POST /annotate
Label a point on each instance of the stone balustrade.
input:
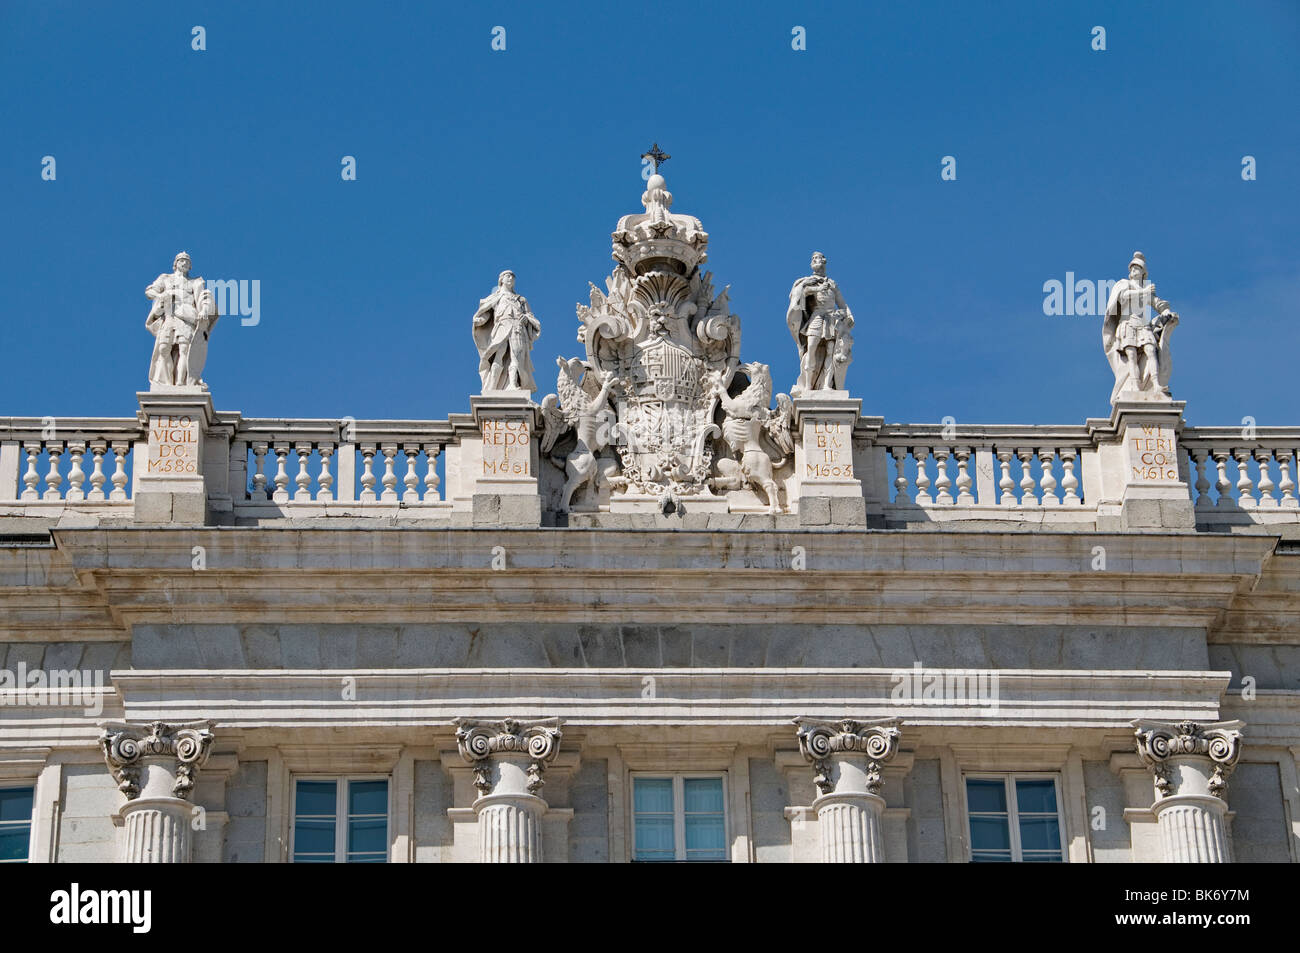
(287, 463)
(262, 469)
(49, 465)
(1235, 470)
(934, 467)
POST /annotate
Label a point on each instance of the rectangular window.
(1014, 818)
(340, 820)
(15, 824)
(679, 818)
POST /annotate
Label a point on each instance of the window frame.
(678, 779)
(341, 782)
(1008, 779)
(17, 785)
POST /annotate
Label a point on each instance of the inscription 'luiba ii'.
(1152, 455)
(828, 451)
(505, 447)
(173, 445)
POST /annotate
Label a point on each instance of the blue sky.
(470, 161)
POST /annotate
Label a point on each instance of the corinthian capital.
(1159, 743)
(127, 747)
(820, 741)
(479, 741)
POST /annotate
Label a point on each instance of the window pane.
(703, 795)
(13, 842)
(654, 838)
(705, 837)
(1039, 858)
(16, 804)
(990, 857)
(314, 837)
(989, 833)
(986, 796)
(1036, 797)
(368, 836)
(316, 798)
(368, 797)
(652, 795)
(1039, 833)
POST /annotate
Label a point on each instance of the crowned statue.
(821, 325)
(182, 317)
(504, 331)
(1135, 335)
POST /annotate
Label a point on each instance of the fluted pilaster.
(156, 766)
(509, 758)
(1190, 763)
(848, 757)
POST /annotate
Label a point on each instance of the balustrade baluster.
(1245, 485)
(259, 472)
(1198, 458)
(303, 479)
(97, 476)
(922, 477)
(412, 481)
(431, 479)
(901, 496)
(281, 494)
(1266, 498)
(1070, 482)
(325, 479)
(389, 480)
(1027, 495)
(76, 475)
(941, 481)
(1286, 485)
(1221, 484)
(118, 479)
(52, 476)
(1005, 482)
(31, 478)
(367, 473)
(1048, 482)
(964, 495)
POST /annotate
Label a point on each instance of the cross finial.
(656, 156)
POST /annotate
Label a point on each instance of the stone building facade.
(661, 614)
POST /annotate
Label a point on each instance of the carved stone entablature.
(479, 741)
(128, 747)
(1159, 743)
(819, 741)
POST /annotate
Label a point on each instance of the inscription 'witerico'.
(1153, 455)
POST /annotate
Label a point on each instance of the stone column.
(508, 758)
(848, 757)
(1191, 763)
(156, 766)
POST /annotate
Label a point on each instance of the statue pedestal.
(830, 492)
(170, 486)
(501, 465)
(1143, 473)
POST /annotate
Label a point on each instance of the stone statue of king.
(504, 331)
(821, 324)
(182, 317)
